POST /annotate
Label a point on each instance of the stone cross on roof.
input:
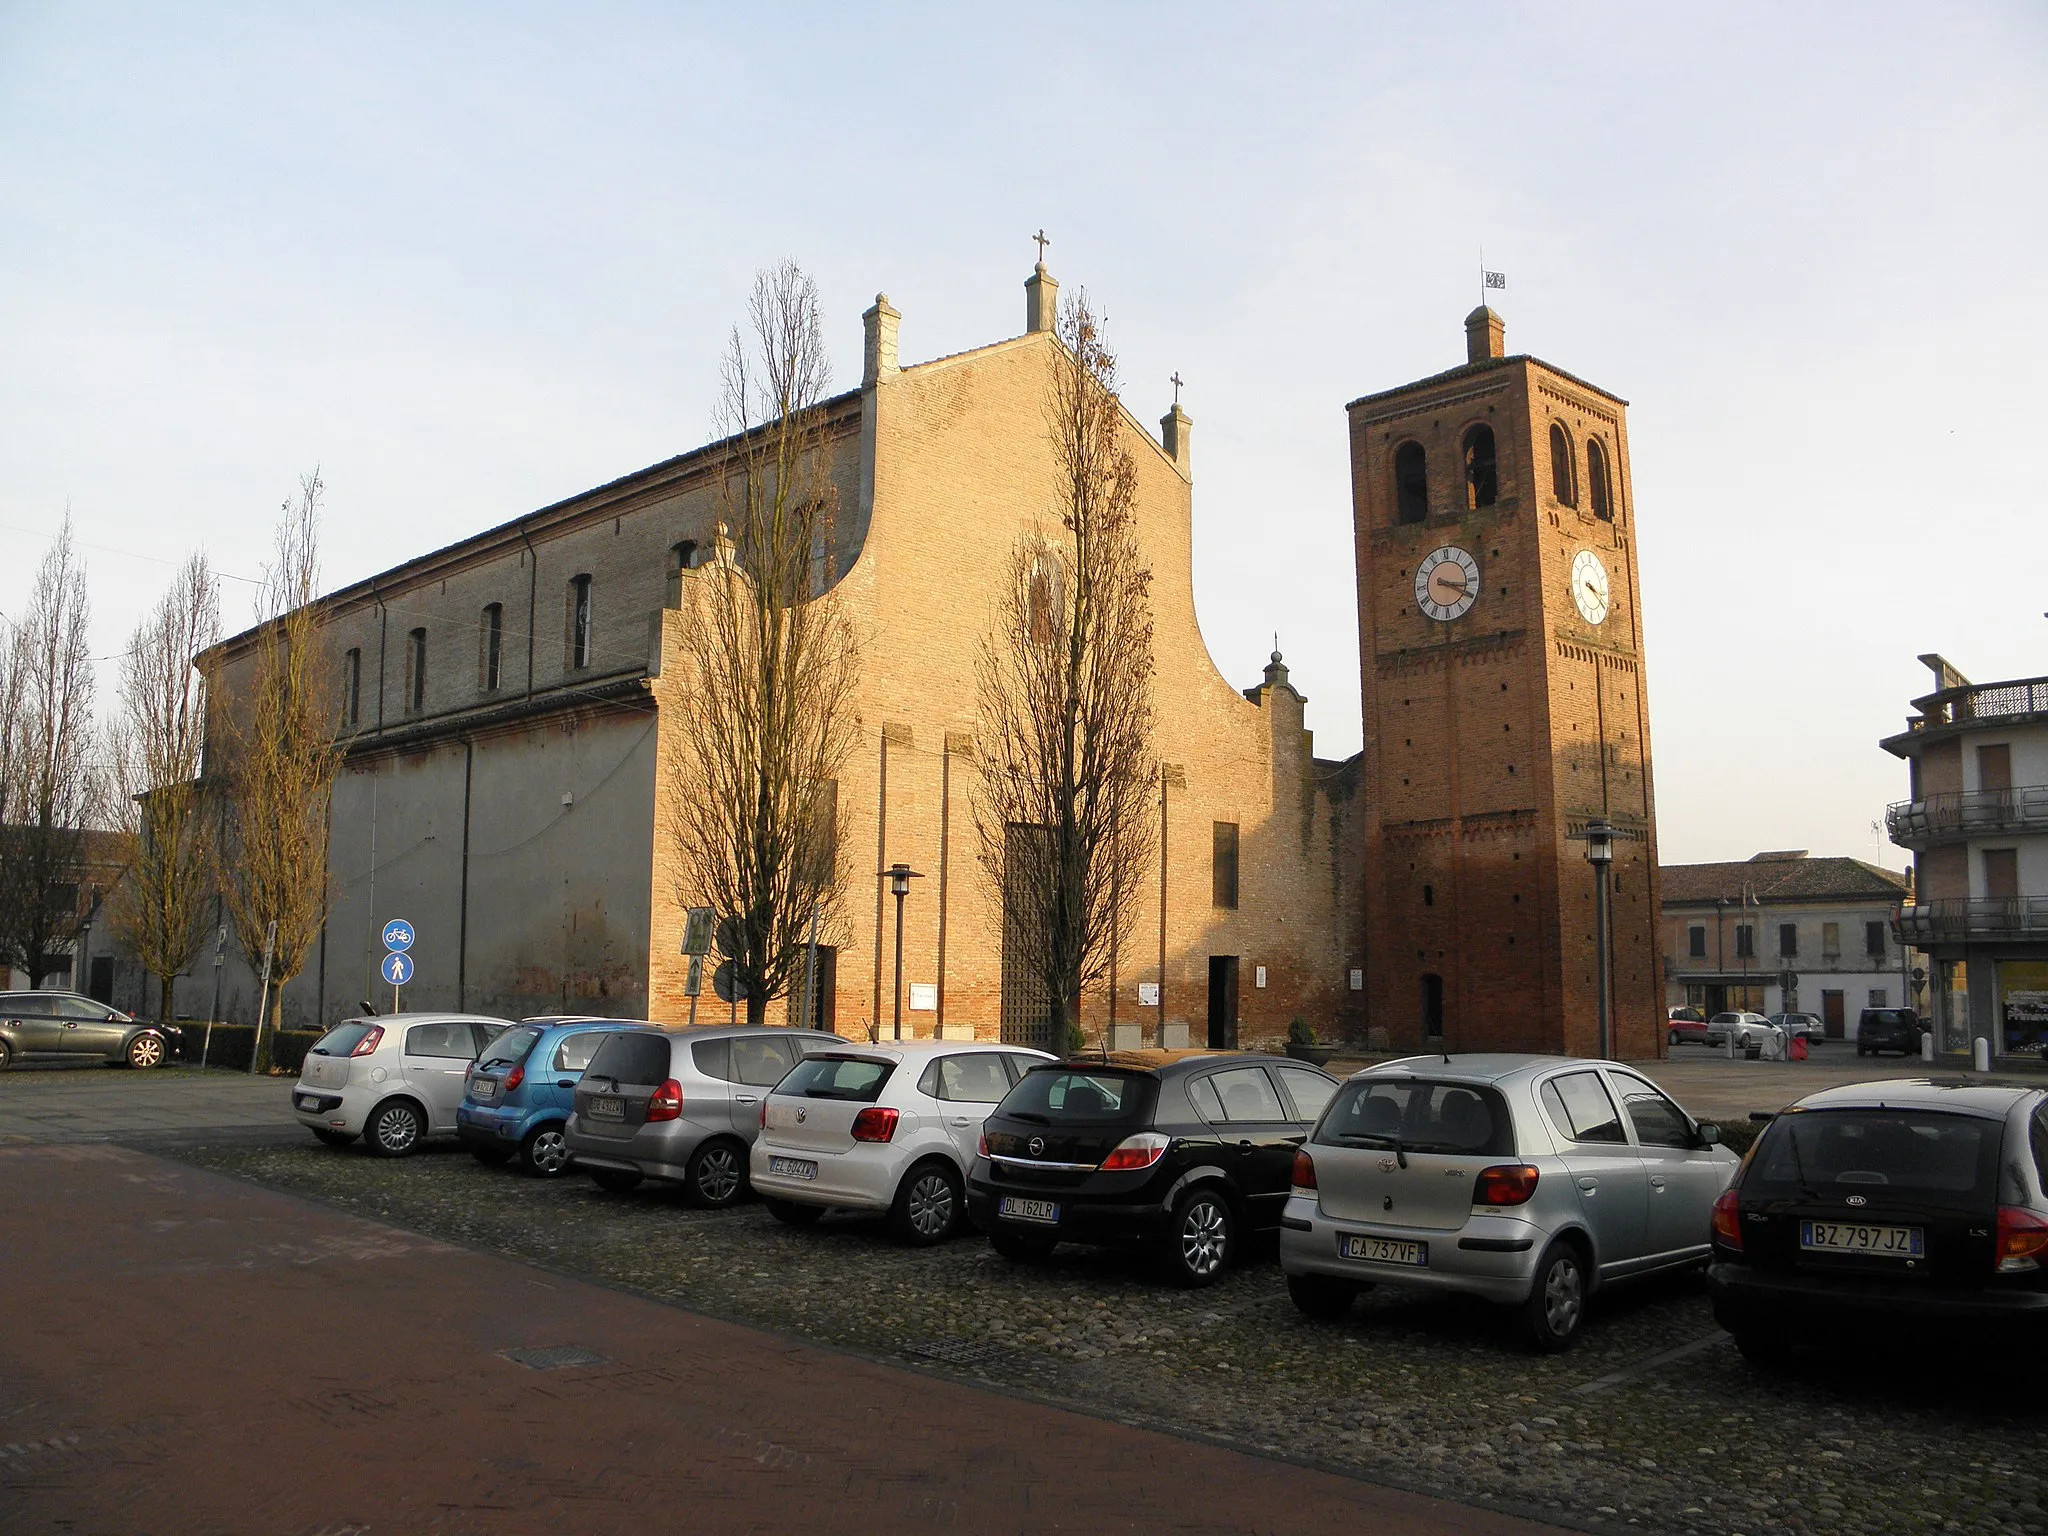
(1042, 244)
(1175, 381)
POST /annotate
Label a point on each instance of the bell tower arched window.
(1482, 482)
(1563, 483)
(1596, 480)
(1411, 484)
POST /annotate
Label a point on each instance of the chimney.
(1485, 335)
(878, 353)
(1041, 300)
(1174, 428)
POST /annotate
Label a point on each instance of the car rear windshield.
(856, 1079)
(341, 1039)
(511, 1046)
(1890, 1016)
(1420, 1115)
(1077, 1096)
(1910, 1153)
(632, 1060)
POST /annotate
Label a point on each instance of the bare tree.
(157, 743)
(772, 659)
(282, 757)
(1063, 799)
(49, 784)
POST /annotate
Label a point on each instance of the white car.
(393, 1081)
(1748, 1028)
(884, 1128)
(1801, 1026)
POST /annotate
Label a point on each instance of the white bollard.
(1980, 1054)
(1927, 1045)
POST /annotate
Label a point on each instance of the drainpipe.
(462, 921)
(532, 601)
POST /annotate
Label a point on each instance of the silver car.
(1526, 1180)
(393, 1080)
(682, 1106)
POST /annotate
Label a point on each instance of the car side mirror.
(1710, 1135)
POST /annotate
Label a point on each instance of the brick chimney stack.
(878, 352)
(1041, 300)
(1485, 335)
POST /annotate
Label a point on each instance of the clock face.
(1447, 584)
(1589, 586)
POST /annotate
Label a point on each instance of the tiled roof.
(1779, 879)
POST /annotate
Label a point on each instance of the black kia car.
(1920, 1203)
(1179, 1156)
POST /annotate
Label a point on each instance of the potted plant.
(1302, 1046)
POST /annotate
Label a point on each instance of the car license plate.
(1047, 1211)
(307, 1102)
(1848, 1237)
(1384, 1250)
(607, 1109)
(483, 1089)
(793, 1167)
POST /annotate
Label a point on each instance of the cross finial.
(1042, 244)
(1176, 386)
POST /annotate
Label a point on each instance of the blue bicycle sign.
(398, 935)
(398, 968)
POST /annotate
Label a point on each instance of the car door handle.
(1656, 1181)
(963, 1119)
(1244, 1146)
(746, 1098)
(565, 1082)
(1589, 1185)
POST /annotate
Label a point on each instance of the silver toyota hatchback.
(682, 1106)
(1526, 1180)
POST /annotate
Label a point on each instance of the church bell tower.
(1500, 642)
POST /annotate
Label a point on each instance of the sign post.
(262, 996)
(397, 965)
(696, 944)
(220, 950)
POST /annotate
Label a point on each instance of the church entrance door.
(1223, 1002)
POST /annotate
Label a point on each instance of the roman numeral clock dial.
(1589, 587)
(1447, 583)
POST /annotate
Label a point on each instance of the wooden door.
(2002, 874)
(1832, 1014)
(1994, 768)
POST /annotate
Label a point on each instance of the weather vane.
(1042, 244)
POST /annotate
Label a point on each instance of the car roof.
(1480, 1067)
(425, 1018)
(741, 1031)
(918, 1050)
(1959, 1095)
(1159, 1063)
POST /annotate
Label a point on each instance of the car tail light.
(1507, 1184)
(666, 1103)
(764, 1114)
(514, 1078)
(1139, 1151)
(1728, 1219)
(875, 1123)
(368, 1044)
(981, 1145)
(1304, 1171)
(2022, 1239)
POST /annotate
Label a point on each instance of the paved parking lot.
(96, 1103)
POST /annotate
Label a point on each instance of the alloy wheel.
(397, 1129)
(1563, 1296)
(550, 1154)
(718, 1175)
(146, 1051)
(1204, 1237)
(931, 1204)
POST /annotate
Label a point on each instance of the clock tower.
(1500, 642)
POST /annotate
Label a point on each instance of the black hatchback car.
(1179, 1156)
(1888, 1029)
(1921, 1202)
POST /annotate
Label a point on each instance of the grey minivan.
(682, 1106)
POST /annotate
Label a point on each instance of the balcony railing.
(1979, 813)
(1989, 701)
(1992, 917)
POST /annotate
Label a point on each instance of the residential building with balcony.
(1787, 933)
(1977, 826)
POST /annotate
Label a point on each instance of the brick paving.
(188, 1353)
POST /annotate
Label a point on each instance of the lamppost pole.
(899, 876)
(1600, 854)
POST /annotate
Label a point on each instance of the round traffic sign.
(398, 935)
(398, 968)
(726, 983)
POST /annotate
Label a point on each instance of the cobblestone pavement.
(1654, 1422)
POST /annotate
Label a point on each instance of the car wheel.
(6, 1056)
(927, 1205)
(491, 1157)
(1674, 1037)
(716, 1174)
(395, 1129)
(615, 1180)
(1023, 1247)
(1557, 1301)
(1201, 1239)
(790, 1214)
(1321, 1297)
(334, 1138)
(545, 1152)
(146, 1051)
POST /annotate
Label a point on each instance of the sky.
(471, 260)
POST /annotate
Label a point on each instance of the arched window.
(681, 557)
(491, 657)
(1596, 479)
(1562, 480)
(1045, 599)
(1482, 484)
(1432, 1006)
(1411, 484)
(416, 672)
(579, 621)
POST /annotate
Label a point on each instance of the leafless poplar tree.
(156, 745)
(1063, 801)
(771, 656)
(50, 787)
(279, 730)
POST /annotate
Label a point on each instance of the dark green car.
(63, 1026)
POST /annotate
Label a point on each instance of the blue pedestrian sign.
(398, 968)
(398, 935)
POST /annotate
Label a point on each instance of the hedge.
(232, 1042)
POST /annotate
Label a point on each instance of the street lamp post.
(1600, 854)
(899, 876)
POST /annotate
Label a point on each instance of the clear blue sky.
(471, 260)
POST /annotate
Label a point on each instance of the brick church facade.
(508, 702)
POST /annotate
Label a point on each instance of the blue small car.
(523, 1087)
